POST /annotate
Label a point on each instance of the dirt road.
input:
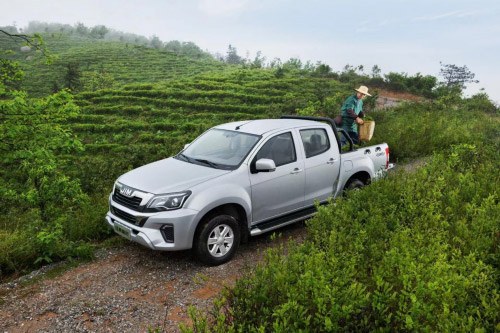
(127, 289)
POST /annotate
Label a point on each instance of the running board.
(282, 221)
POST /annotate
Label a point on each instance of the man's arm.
(352, 114)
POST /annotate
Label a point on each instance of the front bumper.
(149, 234)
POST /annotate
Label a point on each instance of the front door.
(281, 191)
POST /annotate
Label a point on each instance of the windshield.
(221, 149)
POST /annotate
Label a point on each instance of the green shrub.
(419, 129)
(414, 252)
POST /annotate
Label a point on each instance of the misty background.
(397, 36)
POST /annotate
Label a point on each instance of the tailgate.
(379, 154)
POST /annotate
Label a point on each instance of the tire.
(354, 184)
(217, 240)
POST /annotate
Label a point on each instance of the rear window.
(315, 141)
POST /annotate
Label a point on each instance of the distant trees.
(232, 56)
(258, 61)
(81, 29)
(189, 49)
(99, 31)
(155, 42)
(456, 76)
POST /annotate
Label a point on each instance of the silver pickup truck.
(238, 180)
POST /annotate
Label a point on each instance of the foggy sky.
(397, 35)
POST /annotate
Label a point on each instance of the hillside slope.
(123, 62)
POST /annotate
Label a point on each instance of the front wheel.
(217, 240)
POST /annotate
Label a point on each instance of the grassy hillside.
(125, 63)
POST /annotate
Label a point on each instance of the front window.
(221, 149)
(280, 149)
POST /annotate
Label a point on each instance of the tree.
(376, 72)
(456, 76)
(98, 80)
(34, 134)
(232, 56)
(258, 61)
(11, 74)
(322, 70)
(156, 42)
(81, 29)
(35, 42)
(72, 76)
(294, 64)
(99, 31)
(173, 46)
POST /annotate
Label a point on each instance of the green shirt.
(351, 103)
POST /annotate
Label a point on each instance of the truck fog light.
(167, 232)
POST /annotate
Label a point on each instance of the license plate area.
(123, 231)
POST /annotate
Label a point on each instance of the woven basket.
(366, 130)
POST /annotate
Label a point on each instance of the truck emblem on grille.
(126, 191)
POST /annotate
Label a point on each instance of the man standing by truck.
(352, 113)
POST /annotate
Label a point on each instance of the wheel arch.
(233, 209)
(363, 176)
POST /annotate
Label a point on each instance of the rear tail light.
(387, 157)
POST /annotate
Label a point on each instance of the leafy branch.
(34, 41)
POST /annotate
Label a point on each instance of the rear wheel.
(354, 184)
(217, 240)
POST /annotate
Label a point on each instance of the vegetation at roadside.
(415, 252)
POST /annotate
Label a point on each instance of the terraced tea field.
(141, 123)
(125, 63)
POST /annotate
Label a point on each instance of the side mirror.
(186, 145)
(265, 165)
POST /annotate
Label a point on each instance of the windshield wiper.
(185, 157)
(212, 164)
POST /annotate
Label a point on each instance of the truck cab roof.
(262, 126)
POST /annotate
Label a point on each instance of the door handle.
(296, 170)
(331, 161)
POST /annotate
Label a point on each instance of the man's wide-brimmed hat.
(363, 90)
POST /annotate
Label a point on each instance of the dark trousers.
(354, 137)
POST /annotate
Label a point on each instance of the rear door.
(281, 191)
(322, 163)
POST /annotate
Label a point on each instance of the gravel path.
(127, 289)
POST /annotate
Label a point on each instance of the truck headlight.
(168, 201)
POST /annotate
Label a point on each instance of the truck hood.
(169, 175)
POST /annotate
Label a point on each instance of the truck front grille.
(129, 202)
(138, 221)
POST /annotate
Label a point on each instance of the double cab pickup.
(238, 180)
